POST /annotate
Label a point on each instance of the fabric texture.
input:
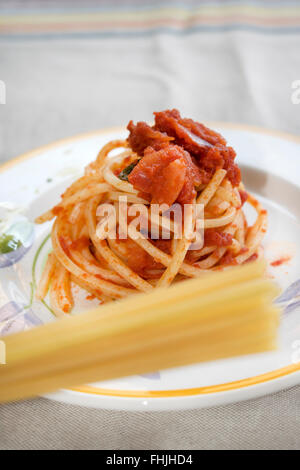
(220, 64)
(271, 422)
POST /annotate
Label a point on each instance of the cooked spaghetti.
(175, 161)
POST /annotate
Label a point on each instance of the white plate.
(270, 165)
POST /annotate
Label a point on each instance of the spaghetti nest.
(182, 162)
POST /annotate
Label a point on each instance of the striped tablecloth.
(73, 66)
(66, 18)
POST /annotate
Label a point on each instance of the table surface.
(129, 60)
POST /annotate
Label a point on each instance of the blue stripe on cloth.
(139, 5)
(152, 32)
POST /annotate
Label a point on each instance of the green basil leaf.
(8, 243)
(126, 172)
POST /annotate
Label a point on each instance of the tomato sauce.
(168, 174)
(280, 261)
(213, 237)
(142, 136)
(178, 155)
(243, 195)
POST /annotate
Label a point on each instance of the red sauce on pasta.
(213, 237)
(176, 160)
(178, 155)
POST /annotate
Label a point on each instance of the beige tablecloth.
(59, 85)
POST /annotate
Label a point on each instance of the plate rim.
(90, 390)
(107, 130)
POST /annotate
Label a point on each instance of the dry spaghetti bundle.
(175, 161)
(224, 314)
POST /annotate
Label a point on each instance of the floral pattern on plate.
(15, 241)
(15, 318)
(151, 376)
(290, 298)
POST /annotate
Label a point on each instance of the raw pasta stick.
(179, 326)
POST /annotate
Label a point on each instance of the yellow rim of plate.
(229, 386)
